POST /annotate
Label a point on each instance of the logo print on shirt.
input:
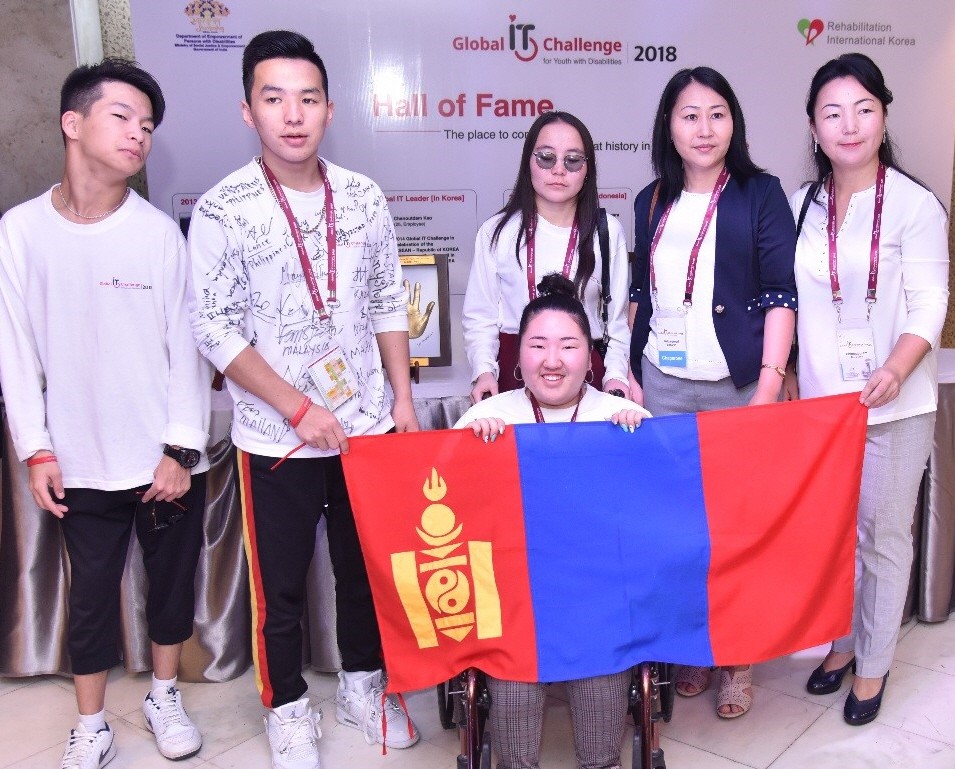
(134, 285)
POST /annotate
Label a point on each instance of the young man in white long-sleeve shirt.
(107, 397)
(298, 300)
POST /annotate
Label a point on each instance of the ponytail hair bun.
(555, 284)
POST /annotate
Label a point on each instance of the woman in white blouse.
(872, 275)
(550, 224)
(713, 297)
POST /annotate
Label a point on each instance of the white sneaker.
(88, 750)
(362, 705)
(293, 735)
(176, 736)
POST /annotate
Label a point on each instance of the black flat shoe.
(858, 712)
(828, 681)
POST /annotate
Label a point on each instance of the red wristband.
(41, 460)
(299, 415)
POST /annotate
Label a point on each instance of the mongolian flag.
(563, 551)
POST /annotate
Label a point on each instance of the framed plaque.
(425, 278)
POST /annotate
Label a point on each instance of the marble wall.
(36, 54)
(117, 28)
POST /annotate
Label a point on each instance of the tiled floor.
(787, 728)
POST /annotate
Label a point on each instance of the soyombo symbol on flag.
(569, 550)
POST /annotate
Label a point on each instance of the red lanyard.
(568, 257)
(721, 183)
(332, 282)
(539, 414)
(873, 247)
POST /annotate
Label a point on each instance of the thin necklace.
(309, 230)
(59, 189)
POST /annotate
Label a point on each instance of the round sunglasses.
(546, 160)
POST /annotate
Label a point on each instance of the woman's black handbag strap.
(603, 236)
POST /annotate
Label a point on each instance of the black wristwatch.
(188, 458)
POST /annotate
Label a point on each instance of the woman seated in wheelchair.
(554, 353)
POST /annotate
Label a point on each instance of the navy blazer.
(755, 249)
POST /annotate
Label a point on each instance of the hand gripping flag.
(563, 551)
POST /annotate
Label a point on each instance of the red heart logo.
(512, 17)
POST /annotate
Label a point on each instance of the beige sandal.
(694, 680)
(732, 692)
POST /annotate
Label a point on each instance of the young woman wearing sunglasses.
(550, 224)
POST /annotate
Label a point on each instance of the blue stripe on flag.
(597, 502)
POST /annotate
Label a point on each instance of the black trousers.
(280, 510)
(96, 530)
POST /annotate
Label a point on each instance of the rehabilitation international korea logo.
(856, 32)
(811, 29)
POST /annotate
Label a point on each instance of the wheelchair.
(652, 693)
(464, 703)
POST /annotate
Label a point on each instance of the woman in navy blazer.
(713, 294)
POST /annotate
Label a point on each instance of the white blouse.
(705, 359)
(912, 290)
(497, 291)
(515, 408)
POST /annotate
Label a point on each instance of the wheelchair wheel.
(446, 703)
(472, 718)
(656, 756)
(666, 684)
(646, 713)
(485, 762)
(474, 706)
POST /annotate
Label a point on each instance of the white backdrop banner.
(432, 99)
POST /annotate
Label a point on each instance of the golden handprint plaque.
(425, 278)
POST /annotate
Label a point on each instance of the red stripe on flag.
(781, 484)
(441, 524)
(263, 679)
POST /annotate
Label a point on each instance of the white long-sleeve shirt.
(497, 291)
(912, 291)
(250, 289)
(97, 361)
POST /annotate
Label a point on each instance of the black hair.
(523, 200)
(555, 292)
(278, 44)
(667, 163)
(84, 86)
(866, 72)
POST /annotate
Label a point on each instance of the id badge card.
(334, 377)
(670, 328)
(856, 350)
